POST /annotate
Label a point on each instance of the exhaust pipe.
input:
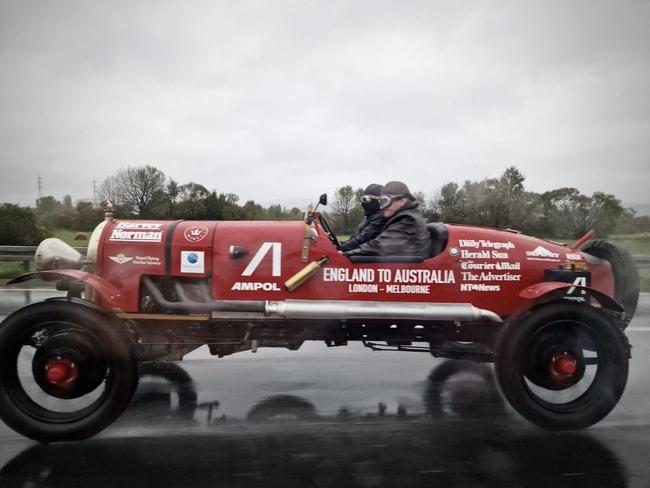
(322, 309)
(342, 310)
(190, 306)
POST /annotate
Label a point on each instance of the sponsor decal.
(408, 289)
(485, 254)
(139, 235)
(255, 286)
(147, 261)
(483, 249)
(574, 257)
(137, 260)
(349, 275)
(276, 254)
(484, 244)
(400, 281)
(120, 235)
(139, 225)
(486, 261)
(192, 262)
(542, 254)
(195, 233)
(453, 251)
(120, 259)
(418, 276)
(579, 281)
(363, 288)
(136, 232)
(479, 287)
(500, 266)
(424, 276)
(489, 276)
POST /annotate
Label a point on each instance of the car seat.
(439, 237)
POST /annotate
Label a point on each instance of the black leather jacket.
(368, 229)
(405, 234)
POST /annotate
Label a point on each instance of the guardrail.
(24, 254)
(642, 261)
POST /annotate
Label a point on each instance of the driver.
(405, 232)
(373, 222)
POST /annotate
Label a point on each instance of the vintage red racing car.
(551, 317)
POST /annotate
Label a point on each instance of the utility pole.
(40, 186)
(94, 192)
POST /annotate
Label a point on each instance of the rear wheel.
(66, 372)
(562, 366)
(626, 274)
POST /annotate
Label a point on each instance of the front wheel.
(66, 371)
(562, 366)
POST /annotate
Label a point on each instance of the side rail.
(642, 261)
(25, 254)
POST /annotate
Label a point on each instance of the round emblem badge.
(453, 251)
(195, 233)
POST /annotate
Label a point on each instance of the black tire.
(626, 274)
(570, 332)
(106, 379)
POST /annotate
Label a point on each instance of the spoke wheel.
(562, 366)
(66, 372)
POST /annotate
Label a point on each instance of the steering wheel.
(328, 230)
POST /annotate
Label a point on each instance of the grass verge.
(68, 236)
(11, 269)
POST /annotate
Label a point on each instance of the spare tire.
(626, 274)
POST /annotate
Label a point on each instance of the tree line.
(145, 192)
(503, 202)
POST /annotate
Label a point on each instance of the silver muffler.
(342, 310)
(320, 309)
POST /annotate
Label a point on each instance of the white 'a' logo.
(579, 281)
(276, 254)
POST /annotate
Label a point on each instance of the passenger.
(405, 232)
(373, 222)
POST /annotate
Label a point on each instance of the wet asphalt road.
(342, 416)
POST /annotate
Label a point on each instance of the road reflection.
(283, 441)
(12, 299)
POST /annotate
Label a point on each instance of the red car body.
(550, 316)
(498, 270)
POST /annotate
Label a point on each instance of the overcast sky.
(282, 100)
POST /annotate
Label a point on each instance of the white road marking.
(23, 290)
